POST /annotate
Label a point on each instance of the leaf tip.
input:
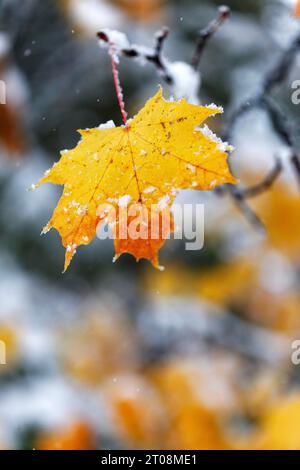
(32, 187)
(215, 109)
(45, 229)
(160, 268)
(70, 252)
(115, 258)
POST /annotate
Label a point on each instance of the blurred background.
(117, 356)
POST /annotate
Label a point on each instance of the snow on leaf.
(145, 163)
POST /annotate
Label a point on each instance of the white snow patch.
(143, 52)
(82, 210)
(207, 132)
(71, 247)
(163, 202)
(117, 40)
(149, 190)
(112, 199)
(192, 168)
(217, 108)
(187, 81)
(213, 184)
(74, 203)
(124, 200)
(107, 125)
(89, 14)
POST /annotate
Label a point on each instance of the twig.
(206, 33)
(118, 88)
(244, 108)
(296, 165)
(281, 70)
(248, 212)
(153, 56)
(265, 184)
(240, 195)
(157, 58)
(275, 77)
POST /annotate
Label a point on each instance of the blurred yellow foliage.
(227, 283)
(196, 398)
(280, 427)
(137, 411)
(220, 284)
(141, 10)
(279, 311)
(196, 428)
(279, 209)
(8, 338)
(102, 344)
(77, 436)
(262, 392)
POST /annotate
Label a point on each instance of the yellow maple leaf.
(144, 163)
(298, 8)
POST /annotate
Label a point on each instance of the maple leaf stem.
(112, 53)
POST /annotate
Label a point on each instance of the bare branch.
(240, 195)
(156, 57)
(262, 100)
(278, 120)
(244, 108)
(281, 70)
(265, 184)
(206, 33)
(248, 213)
(275, 77)
(160, 38)
(103, 36)
(296, 165)
(153, 56)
